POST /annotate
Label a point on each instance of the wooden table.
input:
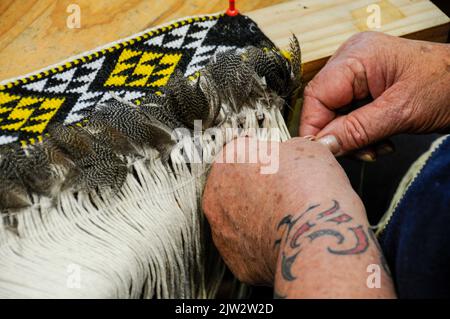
(34, 33)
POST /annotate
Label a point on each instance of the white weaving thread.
(147, 241)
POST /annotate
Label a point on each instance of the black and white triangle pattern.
(190, 36)
(75, 80)
(81, 85)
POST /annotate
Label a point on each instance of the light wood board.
(323, 25)
(34, 34)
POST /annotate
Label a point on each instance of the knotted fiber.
(148, 238)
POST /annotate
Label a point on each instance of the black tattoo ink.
(362, 243)
(276, 295)
(287, 220)
(286, 265)
(277, 243)
(327, 232)
(299, 232)
(329, 211)
(331, 216)
(343, 218)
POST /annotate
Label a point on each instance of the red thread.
(232, 11)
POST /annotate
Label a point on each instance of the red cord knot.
(232, 11)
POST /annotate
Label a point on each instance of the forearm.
(326, 250)
(302, 229)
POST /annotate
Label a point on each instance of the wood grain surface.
(34, 33)
(323, 25)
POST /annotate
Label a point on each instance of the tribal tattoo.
(351, 239)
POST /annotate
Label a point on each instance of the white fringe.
(146, 241)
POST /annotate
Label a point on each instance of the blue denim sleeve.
(416, 240)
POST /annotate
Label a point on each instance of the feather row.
(95, 156)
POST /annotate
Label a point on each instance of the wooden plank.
(34, 34)
(323, 25)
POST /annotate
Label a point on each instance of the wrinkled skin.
(409, 81)
(243, 206)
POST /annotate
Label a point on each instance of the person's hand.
(244, 206)
(408, 80)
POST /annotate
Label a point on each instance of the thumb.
(371, 123)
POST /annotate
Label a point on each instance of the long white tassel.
(146, 241)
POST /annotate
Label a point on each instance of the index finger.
(336, 85)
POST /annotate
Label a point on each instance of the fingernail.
(366, 156)
(309, 137)
(385, 149)
(331, 142)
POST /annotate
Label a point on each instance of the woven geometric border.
(129, 68)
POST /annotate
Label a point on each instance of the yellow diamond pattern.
(20, 115)
(143, 68)
(4, 99)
